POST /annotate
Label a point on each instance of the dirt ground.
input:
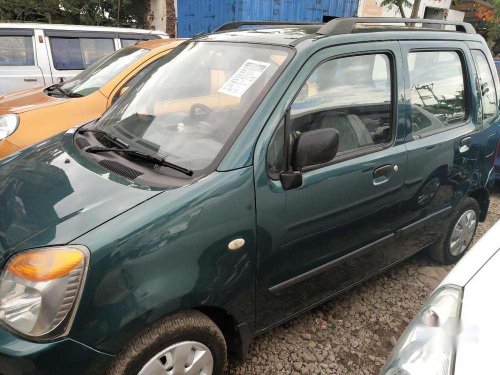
(355, 332)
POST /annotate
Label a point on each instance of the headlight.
(8, 125)
(428, 345)
(40, 290)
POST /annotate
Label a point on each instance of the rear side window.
(16, 51)
(350, 94)
(79, 53)
(128, 42)
(486, 85)
(437, 90)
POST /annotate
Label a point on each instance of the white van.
(41, 54)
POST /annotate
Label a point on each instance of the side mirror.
(314, 147)
(310, 148)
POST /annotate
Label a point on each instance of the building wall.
(372, 8)
(159, 15)
(197, 16)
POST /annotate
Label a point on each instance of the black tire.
(185, 326)
(441, 251)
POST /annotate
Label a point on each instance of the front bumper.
(21, 357)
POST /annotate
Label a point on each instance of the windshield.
(188, 106)
(100, 73)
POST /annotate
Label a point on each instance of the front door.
(330, 232)
(18, 66)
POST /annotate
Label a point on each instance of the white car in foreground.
(458, 329)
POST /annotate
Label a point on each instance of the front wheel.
(459, 235)
(185, 343)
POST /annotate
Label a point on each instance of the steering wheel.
(211, 124)
(205, 110)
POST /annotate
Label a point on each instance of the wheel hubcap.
(463, 232)
(187, 357)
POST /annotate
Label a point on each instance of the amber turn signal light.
(45, 265)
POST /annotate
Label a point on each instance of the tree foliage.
(492, 19)
(79, 12)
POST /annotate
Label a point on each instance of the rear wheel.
(185, 343)
(459, 235)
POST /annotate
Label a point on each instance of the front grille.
(82, 143)
(120, 169)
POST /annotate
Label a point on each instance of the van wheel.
(184, 343)
(459, 235)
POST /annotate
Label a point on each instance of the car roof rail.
(237, 24)
(341, 26)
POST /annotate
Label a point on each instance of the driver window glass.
(353, 96)
(16, 51)
(79, 53)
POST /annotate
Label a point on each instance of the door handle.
(465, 144)
(382, 174)
(30, 79)
(384, 171)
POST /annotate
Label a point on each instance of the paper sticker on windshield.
(244, 78)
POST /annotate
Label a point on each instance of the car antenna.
(145, 37)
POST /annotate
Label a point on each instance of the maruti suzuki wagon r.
(251, 175)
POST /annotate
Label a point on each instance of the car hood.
(478, 273)
(478, 342)
(49, 196)
(27, 100)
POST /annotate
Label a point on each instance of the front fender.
(170, 254)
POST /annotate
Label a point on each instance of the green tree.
(80, 12)
(29, 10)
(494, 24)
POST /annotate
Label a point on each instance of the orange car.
(30, 116)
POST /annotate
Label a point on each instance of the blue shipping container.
(197, 16)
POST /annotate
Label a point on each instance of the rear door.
(441, 138)
(18, 63)
(331, 232)
(71, 52)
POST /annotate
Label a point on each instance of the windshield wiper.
(144, 156)
(116, 141)
(67, 93)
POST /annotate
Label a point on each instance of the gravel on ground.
(355, 332)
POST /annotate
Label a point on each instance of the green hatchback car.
(250, 175)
